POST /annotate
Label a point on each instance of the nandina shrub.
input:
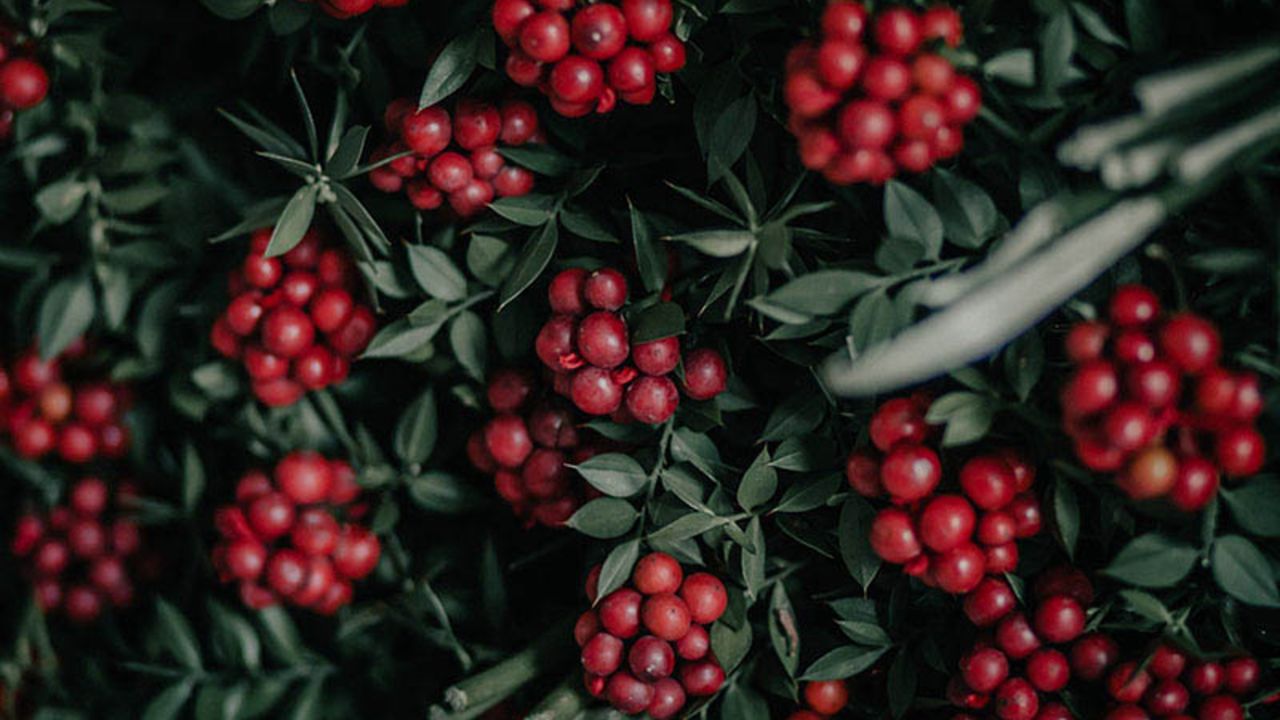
(892, 359)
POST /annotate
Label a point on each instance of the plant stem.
(563, 703)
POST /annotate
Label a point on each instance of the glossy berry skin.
(695, 644)
(565, 293)
(544, 36)
(1239, 451)
(595, 392)
(1059, 619)
(1151, 473)
(959, 570)
(620, 613)
(839, 63)
(990, 602)
(1166, 662)
(1048, 670)
(554, 343)
(1190, 342)
(946, 522)
(1133, 305)
(602, 654)
(656, 357)
(984, 669)
(651, 658)
(657, 573)
(844, 20)
(701, 678)
(705, 374)
(1126, 683)
(988, 482)
(577, 79)
(599, 31)
(942, 22)
(1016, 699)
(862, 472)
(271, 515)
(705, 597)
(668, 699)
(628, 694)
(356, 553)
(893, 536)
(826, 697)
(1205, 678)
(602, 339)
(605, 289)
(647, 20)
(652, 399)
(1221, 707)
(867, 124)
(304, 477)
(1168, 697)
(897, 31)
(1015, 637)
(427, 132)
(507, 439)
(910, 473)
(1092, 655)
(1241, 675)
(897, 421)
(23, 83)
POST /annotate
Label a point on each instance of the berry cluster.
(284, 540)
(80, 554)
(658, 670)
(526, 446)
(587, 346)
(347, 9)
(1148, 401)
(824, 698)
(932, 534)
(580, 57)
(472, 173)
(989, 674)
(279, 308)
(23, 80)
(1169, 685)
(42, 412)
(863, 110)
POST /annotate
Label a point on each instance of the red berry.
(509, 390)
(564, 294)
(983, 669)
(313, 368)
(449, 171)
(963, 101)
(513, 181)
(599, 31)
(1086, 341)
(1133, 305)
(1126, 683)
(1059, 619)
(959, 570)
(246, 559)
(356, 553)
(304, 477)
(910, 473)
(1015, 699)
(89, 497)
(287, 331)
(1190, 342)
(82, 604)
(844, 20)
(1134, 346)
(602, 339)
(577, 79)
(271, 515)
(652, 399)
(666, 616)
(827, 697)
(886, 78)
(595, 392)
(602, 654)
(839, 63)
(668, 699)
(23, 83)
(427, 131)
(695, 644)
(932, 74)
(1241, 675)
(552, 425)
(651, 658)
(996, 528)
(544, 474)
(989, 602)
(1092, 654)
(1205, 678)
(620, 613)
(1239, 451)
(946, 522)
(893, 536)
(1015, 637)
(657, 573)
(605, 289)
(544, 36)
(1126, 712)
(554, 343)
(1156, 384)
(1167, 662)
(1048, 670)
(1151, 473)
(77, 443)
(586, 627)
(1093, 387)
(656, 357)
(705, 374)
(668, 53)
(507, 439)
(988, 481)
(702, 678)
(519, 122)
(920, 117)
(476, 124)
(942, 22)
(315, 533)
(806, 96)
(867, 124)
(647, 20)
(1169, 697)
(627, 694)
(1221, 707)
(1129, 426)
(895, 422)
(705, 596)
(1247, 404)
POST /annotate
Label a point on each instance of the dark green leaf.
(651, 260)
(168, 702)
(758, 484)
(444, 493)
(416, 431)
(902, 684)
(469, 343)
(968, 214)
(907, 214)
(614, 474)
(784, 630)
(717, 243)
(65, 315)
(59, 201)
(967, 416)
(293, 222)
(823, 292)
(798, 414)
(533, 260)
(452, 67)
(174, 633)
(1255, 504)
(1241, 569)
(1152, 560)
(663, 320)
(617, 567)
(843, 662)
(604, 518)
(1066, 515)
(730, 644)
(855, 547)
(348, 153)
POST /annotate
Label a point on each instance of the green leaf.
(614, 474)
(1016, 66)
(1241, 569)
(58, 202)
(663, 320)
(651, 261)
(809, 493)
(533, 260)
(489, 259)
(759, 483)
(902, 684)
(1255, 505)
(193, 479)
(233, 9)
(604, 518)
(865, 632)
(531, 210)
(401, 338)
(717, 243)
(169, 702)
(416, 431)
(843, 662)
(540, 158)
(824, 292)
(346, 156)
(1146, 26)
(1024, 363)
(131, 200)
(686, 526)
(441, 492)
(730, 136)
(784, 629)
(469, 343)
(1066, 515)
(1147, 605)
(234, 640)
(65, 314)
(967, 416)
(1153, 560)
(306, 705)
(452, 68)
(293, 222)
(280, 635)
(730, 644)
(798, 414)
(173, 632)
(907, 214)
(873, 320)
(802, 454)
(617, 567)
(1095, 25)
(855, 546)
(1057, 44)
(968, 214)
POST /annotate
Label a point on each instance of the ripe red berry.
(806, 96)
(427, 131)
(513, 181)
(702, 678)
(1205, 678)
(1048, 670)
(897, 421)
(705, 374)
(946, 522)
(705, 596)
(602, 339)
(910, 473)
(695, 644)
(287, 331)
(508, 390)
(867, 124)
(246, 559)
(82, 604)
(652, 399)
(862, 471)
(23, 83)
(551, 425)
(1126, 683)
(920, 117)
(668, 53)
(886, 79)
(1129, 426)
(1059, 619)
(963, 101)
(1221, 707)
(1190, 342)
(544, 36)
(657, 573)
(586, 627)
(827, 697)
(893, 536)
(602, 654)
(449, 171)
(304, 477)
(1015, 699)
(564, 294)
(647, 20)
(271, 515)
(656, 357)
(315, 532)
(1241, 675)
(577, 79)
(983, 669)
(286, 571)
(1086, 341)
(989, 602)
(628, 694)
(932, 74)
(1015, 637)
(839, 63)
(959, 570)
(651, 658)
(844, 20)
(1133, 305)
(519, 122)
(1156, 384)
(943, 23)
(668, 699)
(1151, 473)
(595, 392)
(77, 443)
(620, 613)
(1092, 654)
(1133, 345)
(1168, 697)
(544, 474)
(599, 31)
(988, 481)
(89, 496)
(666, 616)
(1239, 451)
(1093, 387)
(507, 439)
(356, 553)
